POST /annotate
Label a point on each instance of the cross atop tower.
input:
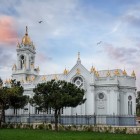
(26, 31)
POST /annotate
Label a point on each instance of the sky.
(69, 27)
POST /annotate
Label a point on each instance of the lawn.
(22, 134)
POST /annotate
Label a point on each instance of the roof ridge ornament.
(26, 39)
(26, 31)
(78, 60)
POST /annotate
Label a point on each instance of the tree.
(17, 99)
(138, 103)
(57, 95)
(3, 101)
(11, 97)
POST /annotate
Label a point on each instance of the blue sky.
(70, 26)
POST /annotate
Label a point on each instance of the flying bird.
(40, 21)
(98, 43)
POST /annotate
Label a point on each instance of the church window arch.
(22, 61)
(129, 105)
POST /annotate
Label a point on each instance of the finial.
(78, 60)
(133, 74)
(78, 55)
(78, 71)
(108, 73)
(65, 71)
(97, 74)
(55, 77)
(124, 72)
(26, 30)
(117, 73)
(92, 70)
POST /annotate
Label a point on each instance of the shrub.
(61, 127)
(49, 126)
(68, 127)
(4, 125)
(41, 126)
(90, 128)
(120, 131)
(11, 126)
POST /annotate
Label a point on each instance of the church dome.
(26, 39)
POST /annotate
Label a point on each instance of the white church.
(110, 94)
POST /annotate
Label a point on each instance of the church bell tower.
(24, 69)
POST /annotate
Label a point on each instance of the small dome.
(26, 39)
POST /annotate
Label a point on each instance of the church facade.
(108, 92)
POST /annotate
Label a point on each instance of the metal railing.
(74, 119)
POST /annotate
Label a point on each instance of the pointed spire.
(77, 71)
(116, 72)
(55, 77)
(78, 60)
(92, 70)
(18, 45)
(26, 39)
(14, 67)
(65, 71)
(22, 80)
(108, 73)
(33, 78)
(97, 74)
(124, 72)
(133, 74)
(44, 78)
(26, 31)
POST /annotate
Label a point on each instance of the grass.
(24, 134)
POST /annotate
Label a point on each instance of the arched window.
(22, 61)
(78, 81)
(129, 105)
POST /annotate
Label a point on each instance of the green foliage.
(17, 134)
(11, 126)
(49, 126)
(4, 125)
(138, 103)
(57, 95)
(1, 82)
(41, 126)
(11, 97)
(120, 131)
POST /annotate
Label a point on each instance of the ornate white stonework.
(108, 92)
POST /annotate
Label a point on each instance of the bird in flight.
(98, 43)
(40, 21)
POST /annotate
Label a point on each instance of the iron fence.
(74, 119)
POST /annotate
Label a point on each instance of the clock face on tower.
(78, 81)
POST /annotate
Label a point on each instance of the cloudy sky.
(70, 26)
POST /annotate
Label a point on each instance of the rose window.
(78, 81)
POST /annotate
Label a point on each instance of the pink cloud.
(120, 53)
(8, 34)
